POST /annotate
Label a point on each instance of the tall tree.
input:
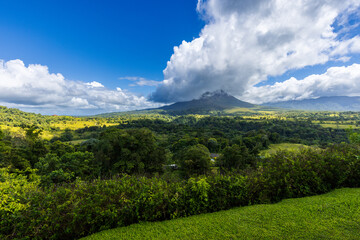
(235, 157)
(194, 160)
(130, 151)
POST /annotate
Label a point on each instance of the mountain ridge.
(330, 103)
(209, 101)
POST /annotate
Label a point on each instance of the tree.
(55, 169)
(184, 142)
(213, 145)
(34, 147)
(61, 148)
(66, 136)
(234, 158)
(194, 160)
(132, 151)
(354, 136)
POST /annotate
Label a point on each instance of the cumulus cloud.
(337, 81)
(35, 87)
(94, 84)
(140, 81)
(244, 42)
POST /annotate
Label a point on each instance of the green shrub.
(81, 208)
(227, 191)
(309, 172)
(15, 193)
(68, 167)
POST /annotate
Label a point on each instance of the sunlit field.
(274, 148)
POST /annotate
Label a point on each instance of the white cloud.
(337, 81)
(140, 81)
(246, 41)
(94, 84)
(34, 87)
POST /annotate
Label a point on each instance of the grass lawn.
(335, 215)
(273, 148)
(77, 141)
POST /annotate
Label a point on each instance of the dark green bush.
(73, 210)
(227, 191)
(310, 172)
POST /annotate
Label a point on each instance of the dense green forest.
(93, 173)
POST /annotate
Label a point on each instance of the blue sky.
(87, 57)
(97, 40)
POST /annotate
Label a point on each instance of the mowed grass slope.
(335, 215)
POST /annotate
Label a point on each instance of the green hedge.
(310, 172)
(71, 211)
(75, 210)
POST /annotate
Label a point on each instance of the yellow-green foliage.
(79, 123)
(47, 135)
(236, 110)
(77, 141)
(340, 126)
(12, 129)
(13, 189)
(258, 117)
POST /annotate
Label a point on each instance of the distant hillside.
(16, 118)
(209, 101)
(321, 104)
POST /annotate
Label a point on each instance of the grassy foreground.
(335, 215)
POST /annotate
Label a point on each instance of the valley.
(160, 164)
